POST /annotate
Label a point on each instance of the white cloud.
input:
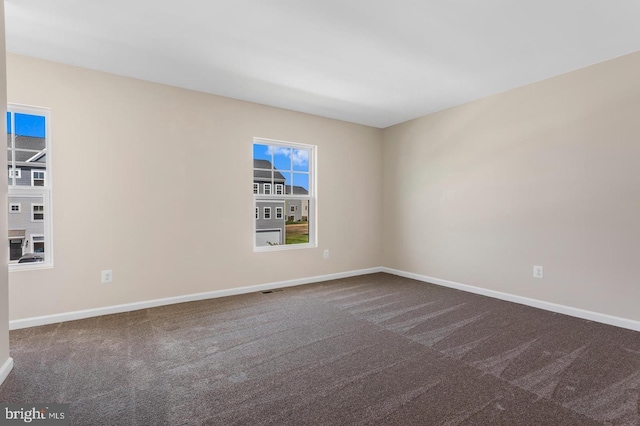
(299, 157)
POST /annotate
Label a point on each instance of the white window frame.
(256, 188)
(40, 194)
(279, 189)
(265, 211)
(311, 196)
(17, 172)
(279, 212)
(19, 210)
(266, 188)
(257, 212)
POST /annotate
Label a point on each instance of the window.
(256, 187)
(257, 213)
(29, 165)
(37, 178)
(37, 212)
(267, 213)
(38, 243)
(288, 168)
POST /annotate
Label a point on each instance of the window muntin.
(267, 213)
(285, 170)
(29, 183)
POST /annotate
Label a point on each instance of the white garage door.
(263, 238)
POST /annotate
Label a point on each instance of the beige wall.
(155, 182)
(4, 303)
(547, 174)
(542, 175)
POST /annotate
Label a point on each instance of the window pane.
(300, 184)
(281, 157)
(30, 142)
(286, 178)
(30, 125)
(261, 152)
(297, 225)
(300, 160)
(26, 236)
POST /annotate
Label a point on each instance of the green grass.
(297, 233)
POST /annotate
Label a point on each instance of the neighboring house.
(262, 182)
(297, 210)
(30, 160)
(271, 215)
(26, 213)
(26, 226)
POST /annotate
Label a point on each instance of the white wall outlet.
(538, 272)
(325, 254)
(107, 276)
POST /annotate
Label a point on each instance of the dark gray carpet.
(369, 350)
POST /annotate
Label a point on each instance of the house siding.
(273, 223)
(22, 221)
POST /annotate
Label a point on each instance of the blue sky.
(28, 125)
(292, 163)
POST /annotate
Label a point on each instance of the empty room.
(320, 213)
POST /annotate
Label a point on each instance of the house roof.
(266, 174)
(28, 142)
(30, 151)
(297, 190)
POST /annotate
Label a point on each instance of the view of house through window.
(29, 188)
(283, 183)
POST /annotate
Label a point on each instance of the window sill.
(284, 247)
(17, 267)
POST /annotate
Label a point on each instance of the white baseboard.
(548, 306)
(88, 313)
(6, 369)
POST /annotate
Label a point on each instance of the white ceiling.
(375, 62)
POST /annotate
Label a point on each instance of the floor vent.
(271, 291)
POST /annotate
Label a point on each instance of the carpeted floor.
(369, 350)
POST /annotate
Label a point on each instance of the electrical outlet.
(538, 272)
(326, 253)
(107, 276)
